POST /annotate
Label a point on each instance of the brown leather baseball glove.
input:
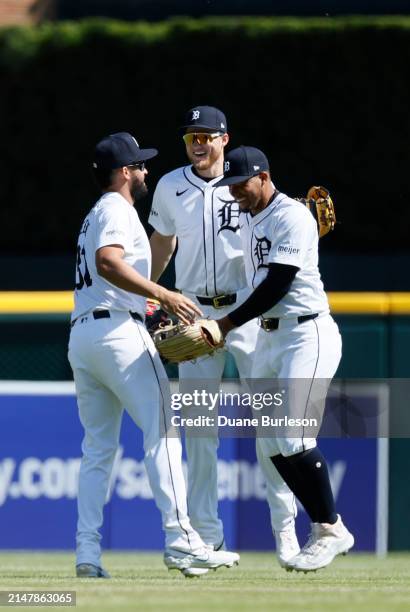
(176, 343)
(320, 204)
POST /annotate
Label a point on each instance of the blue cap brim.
(198, 128)
(232, 180)
(144, 154)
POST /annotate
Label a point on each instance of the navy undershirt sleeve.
(271, 290)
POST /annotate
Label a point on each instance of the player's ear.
(117, 173)
(225, 139)
(264, 176)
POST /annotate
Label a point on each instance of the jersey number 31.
(82, 273)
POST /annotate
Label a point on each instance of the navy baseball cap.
(205, 118)
(120, 149)
(242, 164)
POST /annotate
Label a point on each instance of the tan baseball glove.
(320, 204)
(176, 343)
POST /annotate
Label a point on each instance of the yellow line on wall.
(51, 302)
(26, 302)
(400, 303)
(361, 303)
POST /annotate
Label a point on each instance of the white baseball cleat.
(195, 572)
(324, 544)
(287, 545)
(203, 558)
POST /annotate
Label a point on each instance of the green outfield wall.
(34, 330)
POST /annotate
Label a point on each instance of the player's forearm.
(162, 248)
(271, 290)
(122, 275)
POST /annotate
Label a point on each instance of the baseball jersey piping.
(213, 240)
(190, 182)
(204, 243)
(263, 218)
(313, 378)
(253, 263)
(273, 205)
(252, 236)
(166, 436)
(269, 209)
(203, 226)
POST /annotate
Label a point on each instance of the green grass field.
(141, 582)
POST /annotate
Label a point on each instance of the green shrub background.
(326, 99)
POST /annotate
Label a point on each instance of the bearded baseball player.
(188, 205)
(298, 338)
(116, 365)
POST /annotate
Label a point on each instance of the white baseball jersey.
(111, 221)
(285, 232)
(210, 262)
(116, 367)
(205, 218)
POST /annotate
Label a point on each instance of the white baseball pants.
(309, 353)
(202, 451)
(117, 367)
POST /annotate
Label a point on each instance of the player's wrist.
(159, 293)
(164, 297)
(226, 325)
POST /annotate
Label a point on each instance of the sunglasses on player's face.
(201, 138)
(137, 166)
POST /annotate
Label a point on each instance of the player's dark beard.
(138, 190)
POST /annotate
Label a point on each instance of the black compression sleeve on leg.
(311, 466)
(296, 484)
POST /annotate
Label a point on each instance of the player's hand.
(179, 305)
(225, 325)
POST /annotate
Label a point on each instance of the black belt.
(105, 314)
(219, 301)
(272, 324)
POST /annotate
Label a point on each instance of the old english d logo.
(261, 251)
(229, 216)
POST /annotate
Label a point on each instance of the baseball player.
(189, 206)
(116, 366)
(298, 338)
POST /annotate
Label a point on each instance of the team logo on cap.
(226, 166)
(195, 114)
